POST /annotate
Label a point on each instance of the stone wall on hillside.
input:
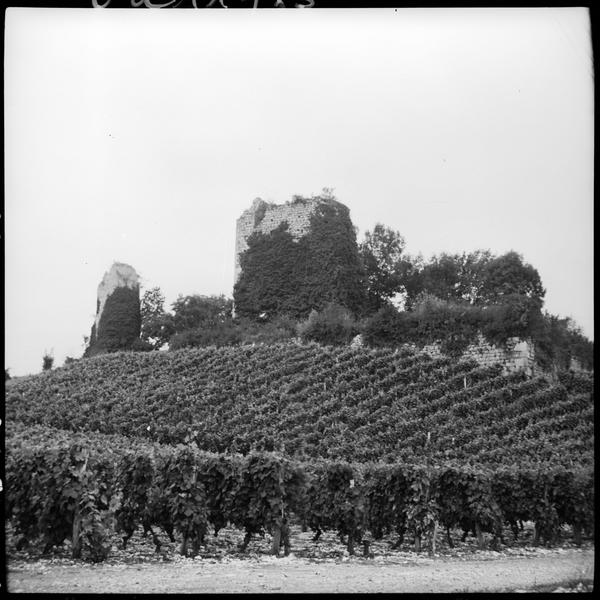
(515, 355)
(265, 217)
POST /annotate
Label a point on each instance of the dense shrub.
(232, 332)
(278, 329)
(333, 325)
(194, 311)
(47, 362)
(141, 346)
(388, 327)
(516, 316)
(454, 324)
(218, 334)
(557, 341)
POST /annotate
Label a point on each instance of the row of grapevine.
(310, 401)
(79, 491)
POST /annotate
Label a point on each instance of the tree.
(6, 374)
(156, 327)
(190, 312)
(411, 278)
(508, 274)
(440, 277)
(471, 275)
(385, 266)
(152, 304)
(478, 278)
(456, 277)
(195, 320)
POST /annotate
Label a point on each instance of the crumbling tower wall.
(265, 217)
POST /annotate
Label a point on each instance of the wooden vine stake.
(479, 533)
(183, 549)
(281, 535)
(275, 545)
(76, 539)
(434, 538)
(577, 533)
(350, 545)
(276, 540)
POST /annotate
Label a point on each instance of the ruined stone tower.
(265, 217)
(304, 256)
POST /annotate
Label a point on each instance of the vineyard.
(309, 401)
(369, 444)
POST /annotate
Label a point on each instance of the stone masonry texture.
(119, 275)
(265, 217)
(515, 355)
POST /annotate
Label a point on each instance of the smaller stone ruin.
(118, 320)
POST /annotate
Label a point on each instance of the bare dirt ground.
(322, 566)
(292, 574)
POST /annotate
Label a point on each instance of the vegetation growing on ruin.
(455, 324)
(120, 324)
(284, 276)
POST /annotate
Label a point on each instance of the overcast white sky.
(141, 135)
